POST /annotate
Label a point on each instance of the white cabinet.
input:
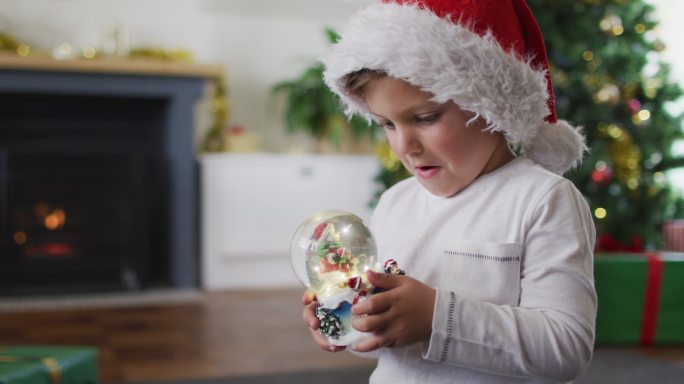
(253, 203)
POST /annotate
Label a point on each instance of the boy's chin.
(441, 190)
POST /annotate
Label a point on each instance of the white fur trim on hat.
(452, 63)
(557, 147)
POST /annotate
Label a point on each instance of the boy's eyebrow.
(429, 106)
(375, 116)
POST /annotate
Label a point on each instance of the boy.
(497, 248)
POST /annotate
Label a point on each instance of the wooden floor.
(217, 335)
(220, 334)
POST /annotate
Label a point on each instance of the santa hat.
(354, 282)
(389, 262)
(487, 56)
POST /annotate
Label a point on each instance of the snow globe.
(331, 253)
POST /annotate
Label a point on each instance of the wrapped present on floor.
(48, 365)
(640, 298)
(673, 234)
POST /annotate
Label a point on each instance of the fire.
(55, 219)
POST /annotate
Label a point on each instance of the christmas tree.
(607, 77)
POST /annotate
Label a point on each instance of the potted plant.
(310, 107)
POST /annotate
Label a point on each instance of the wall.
(671, 30)
(260, 41)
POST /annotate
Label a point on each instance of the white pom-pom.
(557, 147)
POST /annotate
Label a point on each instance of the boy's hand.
(399, 316)
(309, 316)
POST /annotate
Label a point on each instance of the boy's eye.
(387, 124)
(428, 119)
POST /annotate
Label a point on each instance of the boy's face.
(432, 140)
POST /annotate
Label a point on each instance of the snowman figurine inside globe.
(331, 253)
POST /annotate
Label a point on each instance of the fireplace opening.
(83, 194)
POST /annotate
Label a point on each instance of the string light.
(612, 23)
(641, 117)
(614, 132)
(600, 213)
(608, 94)
(618, 30)
(89, 53)
(632, 183)
(20, 237)
(23, 50)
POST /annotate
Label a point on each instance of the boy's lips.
(426, 171)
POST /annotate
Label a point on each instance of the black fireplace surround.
(97, 182)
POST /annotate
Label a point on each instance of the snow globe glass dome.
(331, 253)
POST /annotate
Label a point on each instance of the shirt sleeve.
(550, 334)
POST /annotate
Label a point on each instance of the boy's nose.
(407, 142)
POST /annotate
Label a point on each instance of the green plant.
(310, 107)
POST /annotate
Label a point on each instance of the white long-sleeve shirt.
(511, 257)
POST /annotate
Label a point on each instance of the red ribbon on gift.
(654, 279)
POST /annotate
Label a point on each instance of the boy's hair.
(486, 56)
(354, 83)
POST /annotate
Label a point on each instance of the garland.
(215, 139)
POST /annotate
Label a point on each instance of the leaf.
(333, 36)
(309, 106)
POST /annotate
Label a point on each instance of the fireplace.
(97, 183)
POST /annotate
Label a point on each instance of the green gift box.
(48, 364)
(640, 298)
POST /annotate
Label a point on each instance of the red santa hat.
(318, 231)
(354, 282)
(487, 56)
